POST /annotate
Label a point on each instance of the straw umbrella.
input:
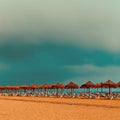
(88, 85)
(46, 86)
(24, 87)
(110, 84)
(33, 87)
(58, 86)
(71, 86)
(16, 88)
(40, 87)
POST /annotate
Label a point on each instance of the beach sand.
(36, 108)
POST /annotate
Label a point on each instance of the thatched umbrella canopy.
(88, 85)
(110, 84)
(118, 84)
(40, 87)
(16, 87)
(33, 87)
(58, 86)
(24, 87)
(97, 85)
(71, 86)
(46, 86)
(83, 86)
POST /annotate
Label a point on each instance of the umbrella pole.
(109, 90)
(57, 90)
(84, 90)
(33, 90)
(97, 90)
(88, 91)
(24, 90)
(101, 89)
(45, 89)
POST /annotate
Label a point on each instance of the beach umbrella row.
(108, 84)
(71, 85)
(34, 87)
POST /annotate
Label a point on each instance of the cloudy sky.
(49, 41)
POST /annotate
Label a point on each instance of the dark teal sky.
(50, 41)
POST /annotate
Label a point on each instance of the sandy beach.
(35, 108)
